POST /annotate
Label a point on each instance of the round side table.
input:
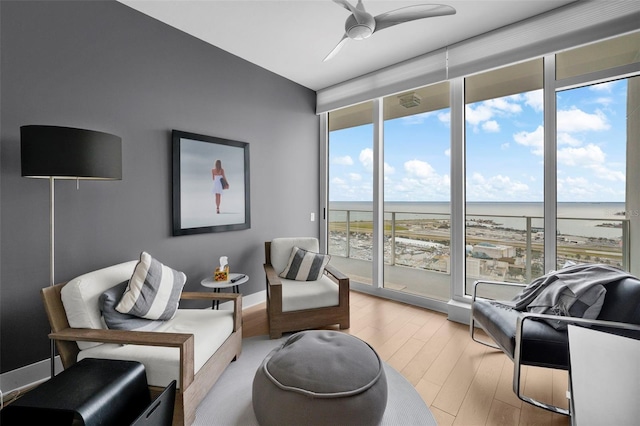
(234, 282)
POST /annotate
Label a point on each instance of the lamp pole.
(52, 263)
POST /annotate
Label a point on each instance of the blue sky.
(504, 151)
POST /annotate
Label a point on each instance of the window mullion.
(550, 164)
(378, 195)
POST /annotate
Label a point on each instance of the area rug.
(229, 401)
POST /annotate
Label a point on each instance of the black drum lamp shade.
(70, 153)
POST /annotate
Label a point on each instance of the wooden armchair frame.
(280, 322)
(193, 387)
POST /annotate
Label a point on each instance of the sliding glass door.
(417, 237)
(504, 174)
(350, 212)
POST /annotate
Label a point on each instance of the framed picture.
(210, 184)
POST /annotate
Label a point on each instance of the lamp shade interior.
(69, 153)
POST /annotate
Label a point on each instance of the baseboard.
(37, 372)
(459, 312)
(28, 375)
(248, 300)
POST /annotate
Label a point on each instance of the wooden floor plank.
(476, 406)
(447, 359)
(458, 382)
(470, 381)
(418, 366)
(503, 414)
(406, 353)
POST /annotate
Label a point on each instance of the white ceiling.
(292, 37)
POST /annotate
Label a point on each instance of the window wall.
(544, 174)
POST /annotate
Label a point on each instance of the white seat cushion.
(81, 295)
(210, 329)
(298, 295)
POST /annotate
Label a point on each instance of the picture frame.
(201, 203)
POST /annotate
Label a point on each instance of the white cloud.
(338, 181)
(505, 146)
(603, 87)
(366, 159)
(535, 100)
(564, 138)
(497, 188)
(419, 169)
(582, 189)
(484, 112)
(533, 140)
(445, 117)
(355, 177)
(476, 115)
(606, 173)
(581, 156)
(447, 152)
(343, 161)
(491, 126)
(388, 170)
(575, 120)
(505, 105)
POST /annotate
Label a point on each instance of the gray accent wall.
(103, 66)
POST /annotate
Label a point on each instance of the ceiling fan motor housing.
(359, 31)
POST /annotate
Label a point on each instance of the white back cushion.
(281, 250)
(80, 296)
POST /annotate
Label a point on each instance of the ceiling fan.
(361, 25)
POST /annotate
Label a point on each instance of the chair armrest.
(524, 316)
(274, 291)
(342, 281)
(272, 276)
(478, 283)
(233, 297)
(201, 295)
(182, 341)
(333, 271)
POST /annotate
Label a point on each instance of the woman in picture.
(219, 183)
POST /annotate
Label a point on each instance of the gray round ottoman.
(320, 377)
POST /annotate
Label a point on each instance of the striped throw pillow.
(305, 265)
(153, 291)
(114, 320)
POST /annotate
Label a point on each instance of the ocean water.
(571, 216)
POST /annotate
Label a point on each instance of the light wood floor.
(463, 382)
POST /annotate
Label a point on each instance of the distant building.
(493, 251)
(419, 243)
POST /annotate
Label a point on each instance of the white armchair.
(194, 347)
(299, 305)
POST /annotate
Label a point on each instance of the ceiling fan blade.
(336, 49)
(358, 11)
(411, 13)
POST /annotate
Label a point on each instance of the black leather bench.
(92, 392)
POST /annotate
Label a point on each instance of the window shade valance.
(575, 24)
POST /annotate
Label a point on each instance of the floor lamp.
(53, 152)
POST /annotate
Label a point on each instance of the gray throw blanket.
(576, 291)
